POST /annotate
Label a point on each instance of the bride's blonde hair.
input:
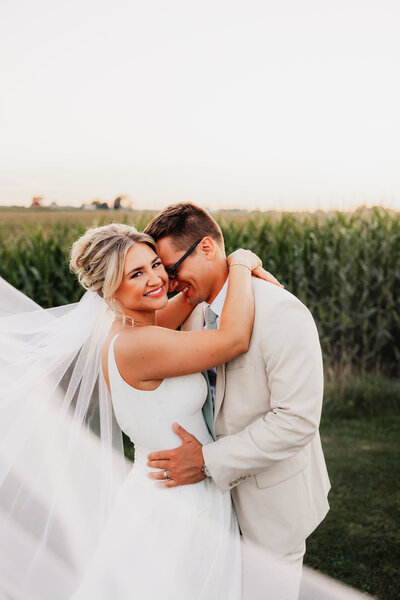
(98, 256)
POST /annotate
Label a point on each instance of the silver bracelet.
(241, 265)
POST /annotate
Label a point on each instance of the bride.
(72, 524)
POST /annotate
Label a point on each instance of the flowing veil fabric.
(61, 455)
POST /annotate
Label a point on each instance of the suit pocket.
(281, 471)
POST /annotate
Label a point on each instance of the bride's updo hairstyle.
(98, 257)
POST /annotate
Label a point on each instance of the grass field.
(359, 541)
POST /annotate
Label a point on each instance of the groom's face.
(193, 274)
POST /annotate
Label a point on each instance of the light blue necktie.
(208, 406)
(210, 318)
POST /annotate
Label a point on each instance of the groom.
(267, 407)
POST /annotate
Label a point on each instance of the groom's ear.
(207, 247)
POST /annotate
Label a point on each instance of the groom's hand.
(182, 465)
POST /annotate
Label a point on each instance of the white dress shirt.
(217, 304)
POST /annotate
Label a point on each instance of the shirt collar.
(218, 303)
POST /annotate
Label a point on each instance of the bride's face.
(145, 283)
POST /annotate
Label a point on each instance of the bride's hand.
(243, 257)
(252, 262)
(261, 273)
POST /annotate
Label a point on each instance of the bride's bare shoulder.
(128, 354)
(131, 339)
(114, 331)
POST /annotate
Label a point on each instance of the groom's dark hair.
(185, 223)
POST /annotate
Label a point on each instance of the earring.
(124, 317)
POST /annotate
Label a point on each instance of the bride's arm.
(178, 309)
(175, 313)
(151, 353)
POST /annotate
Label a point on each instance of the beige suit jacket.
(267, 412)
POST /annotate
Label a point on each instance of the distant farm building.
(37, 202)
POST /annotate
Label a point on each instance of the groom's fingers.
(158, 475)
(183, 434)
(159, 464)
(168, 483)
(169, 454)
(160, 455)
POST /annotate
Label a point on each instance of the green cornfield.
(344, 267)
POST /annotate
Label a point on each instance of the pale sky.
(285, 104)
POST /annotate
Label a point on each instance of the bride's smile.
(144, 285)
(156, 293)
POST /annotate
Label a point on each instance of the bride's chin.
(156, 303)
(163, 302)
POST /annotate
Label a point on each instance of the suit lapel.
(220, 390)
(195, 320)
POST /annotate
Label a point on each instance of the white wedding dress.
(164, 544)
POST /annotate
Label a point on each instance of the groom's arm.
(293, 363)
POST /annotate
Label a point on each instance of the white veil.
(61, 455)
